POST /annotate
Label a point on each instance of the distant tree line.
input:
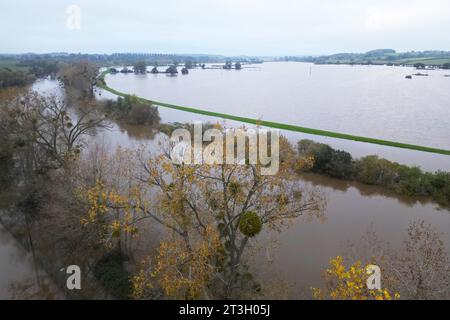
(124, 58)
(40, 67)
(379, 56)
(23, 72)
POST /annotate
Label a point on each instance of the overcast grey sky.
(230, 27)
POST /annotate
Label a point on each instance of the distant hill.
(381, 57)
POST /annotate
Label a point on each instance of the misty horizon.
(231, 28)
(207, 53)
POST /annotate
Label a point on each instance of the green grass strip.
(102, 84)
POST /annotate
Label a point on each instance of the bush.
(132, 111)
(376, 171)
(9, 78)
(113, 277)
(412, 181)
(334, 163)
(439, 187)
(341, 165)
(141, 114)
(140, 67)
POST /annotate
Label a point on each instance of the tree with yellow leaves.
(210, 214)
(349, 284)
(181, 273)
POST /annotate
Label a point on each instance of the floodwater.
(301, 253)
(15, 264)
(20, 278)
(375, 101)
(370, 101)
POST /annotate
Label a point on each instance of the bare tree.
(419, 270)
(51, 136)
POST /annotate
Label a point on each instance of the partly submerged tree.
(125, 70)
(132, 110)
(228, 65)
(79, 78)
(172, 70)
(140, 67)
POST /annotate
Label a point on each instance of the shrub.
(113, 277)
(9, 78)
(335, 163)
(412, 181)
(439, 187)
(141, 114)
(376, 171)
(132, 111)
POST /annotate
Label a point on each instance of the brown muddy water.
(371, 101)
(20, 278)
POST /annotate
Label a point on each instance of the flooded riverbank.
(20, 277)
(301, 253)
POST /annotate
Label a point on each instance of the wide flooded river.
(370, 101)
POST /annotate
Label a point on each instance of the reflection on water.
(18, 278)
(363, 189)
(301, 253)
(15, 263)
(137, 132)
